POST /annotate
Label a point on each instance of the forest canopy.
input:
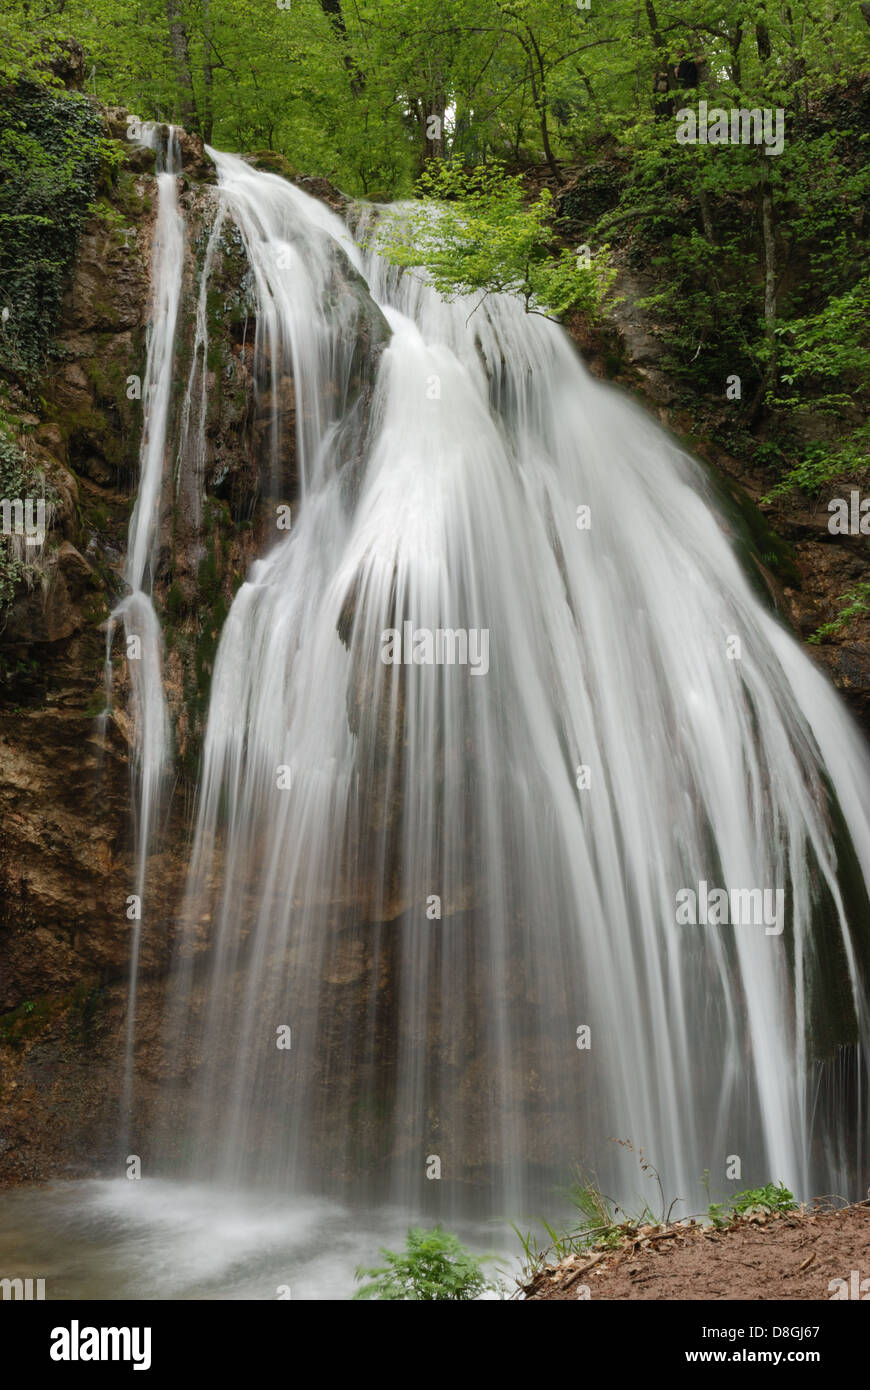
(364, 91)
(756, 268)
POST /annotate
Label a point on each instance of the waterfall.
(136, 610)
(500, 701)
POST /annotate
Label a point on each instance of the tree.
(478, 233)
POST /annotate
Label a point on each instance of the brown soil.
(793, 1256)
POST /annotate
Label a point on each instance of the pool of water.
(157, 1239)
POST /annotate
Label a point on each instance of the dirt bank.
(798, 1255)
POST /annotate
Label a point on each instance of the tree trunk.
(663, 77)
(768, 233)
(706, 218)
(180, 47)
(433, 136)
(658, 41)
(539, 97)
(207, 74)
(736, 69)
(332, 8)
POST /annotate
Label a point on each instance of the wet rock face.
(65, 793)
(65, 770)
(195, 163)
(833, 573)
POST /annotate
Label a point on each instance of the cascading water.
(431, 922)
(136, 610)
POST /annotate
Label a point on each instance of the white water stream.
(635, 648)
(144, 640)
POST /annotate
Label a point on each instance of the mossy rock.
(757, 543)
(31, 1018)
(273, 163)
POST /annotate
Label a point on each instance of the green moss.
(756, 542)
(52, 152)
(124, 195)
(175, 605)
(95, 706)
(28, 1020)
(197, 645)
(85, 1003)
(97, 515)
(95, 612)
(273, 163)
(106, 373)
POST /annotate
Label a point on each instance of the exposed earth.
(796, 1255)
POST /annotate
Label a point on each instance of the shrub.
(434, 1265)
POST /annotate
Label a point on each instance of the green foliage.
(600, 1223)
(25, 42)
(14, 473)
(830, 349)
(434, 1265)
(376, 93)
(483, 236)
(819, 464)
(855, 604)
(51, 151)
(773, 1197)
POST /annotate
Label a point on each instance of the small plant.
(599, 1224)
(856, 602)
(596, 1211)
(434, 1266)
(773, 1197)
